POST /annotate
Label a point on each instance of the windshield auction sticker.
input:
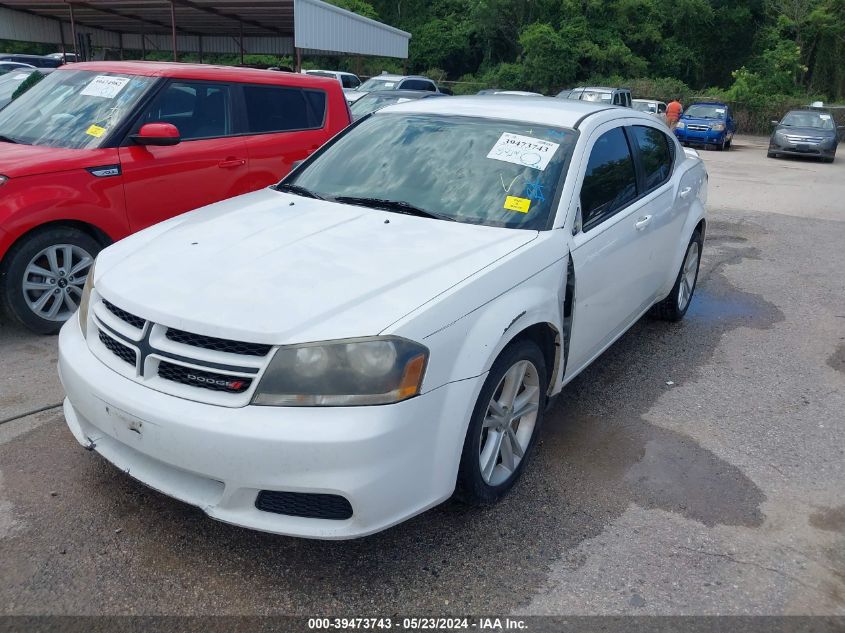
(520, 205)
(523, 150)
(105, 86)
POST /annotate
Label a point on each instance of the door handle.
(642, 222)
(685, 192)
(231, 162)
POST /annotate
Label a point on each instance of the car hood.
(353, 95)
(806, 131)
(18, 159)
(700, 120)
(270, 267)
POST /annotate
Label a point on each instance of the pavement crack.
(751, 563)
(29, 413)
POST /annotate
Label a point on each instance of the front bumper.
(390, 462)
(803, 149)
(694, 137)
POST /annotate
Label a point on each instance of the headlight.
(3, 180)
(718, 127)
(349, 372)
(680, 125)
(86, 298)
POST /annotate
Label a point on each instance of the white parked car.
(386, 81)
(349, 81)
(650, 106)
(330, 356)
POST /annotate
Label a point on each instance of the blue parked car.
(706, 124)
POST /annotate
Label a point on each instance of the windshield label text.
(105, 86)
(523, 150)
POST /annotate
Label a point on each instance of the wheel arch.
(89, 229)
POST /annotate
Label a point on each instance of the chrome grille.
(194, 366)
(698, 128)
(123, 315)
(124, 353)
(218, 344)
(203, 379)
(794, 138)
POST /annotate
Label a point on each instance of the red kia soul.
(97, 151)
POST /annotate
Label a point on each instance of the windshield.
(594, 95)
(73, 109)
(371, 103)
(481, 171)
(818, 120)
(706, 111)
(645, 106)
(378, 84)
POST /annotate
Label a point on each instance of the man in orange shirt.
(673, 113)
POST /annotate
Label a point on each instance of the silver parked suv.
(609, 96)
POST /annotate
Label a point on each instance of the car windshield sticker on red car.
(523, 150)
(105, 86)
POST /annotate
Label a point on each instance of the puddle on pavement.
(829, 519)
(837, 359)
(597, 455)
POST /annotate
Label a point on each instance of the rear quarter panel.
(272, 155)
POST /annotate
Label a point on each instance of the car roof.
(598, 88)
(206, 71)
(403, 93)
(538, 110)
(716, 103)
(334, 72)
(5, 55)
(397, 77)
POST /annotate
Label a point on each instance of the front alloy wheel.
(509, 424)
(53, 281)
(504, 425)
(42, 276)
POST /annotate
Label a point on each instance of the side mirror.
(162, 134)
(775, 122)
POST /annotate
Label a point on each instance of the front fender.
(28, 202)
(468, 347)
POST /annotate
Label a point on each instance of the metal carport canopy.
(311, 26)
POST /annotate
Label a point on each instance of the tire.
(772, 155)
(728, 144)
(675, 306)
(721, 146)
(46, 251)
(829, 159)
(475, 485)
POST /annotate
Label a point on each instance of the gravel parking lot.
(695, 468)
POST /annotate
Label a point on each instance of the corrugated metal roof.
(269, 26)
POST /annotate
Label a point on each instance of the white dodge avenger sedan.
(384, 328)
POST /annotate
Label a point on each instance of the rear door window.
(655, 155)
(349, 81)
(610, 182)
(418, 84)
(283, 109)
